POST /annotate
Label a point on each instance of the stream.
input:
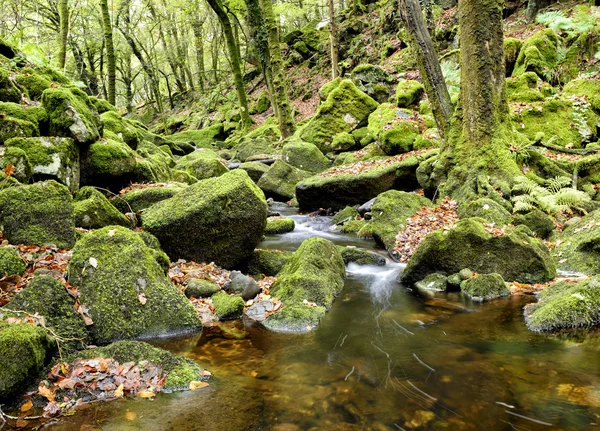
(384, 358)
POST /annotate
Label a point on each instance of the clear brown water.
(384, 358)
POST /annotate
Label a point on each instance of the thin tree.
(333, 41)
(63, 37)
(110, 51)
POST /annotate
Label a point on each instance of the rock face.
(24, 350)
(389, 213)
(220, 220)
(316, 273)
(122, 283)
(279, 182)
(566, 306)
(345, 109)
(93, 210)
(38, 214)
(51, 158)
(514, 255)
(579, 245)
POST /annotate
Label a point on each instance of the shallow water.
(384, 358)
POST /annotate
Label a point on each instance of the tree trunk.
(235, 61)
(199, 44)
(63, 12)
(279, 83)
(333, 41)
(110, 52)
(429, 66)
(476, 159)
(532, 10)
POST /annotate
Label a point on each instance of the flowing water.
(384, 358)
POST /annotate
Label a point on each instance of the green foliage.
(555, 196)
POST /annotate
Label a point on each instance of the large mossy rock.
(267, 262)
(51, 158)
(345, 109)
(408, 93)
(356, 183)
(24, 351)
(305, 156)
(19, 121)
(254, 149)
(524, 88)
(20, 163)
(138, 200)
(8, 90)
(514, 255)
(395, 129)
(538, 54)
(578, 245)
(11, 262)
(484, 287)
(389, 213)
(373, 80)
(180, 371)
(279, 182)
(566, 306)
(122, 283)
(487, 209)
(49, 298)
(36, 79)
(109, 164)
(93, 210)
(38, 214)
(203, 138)
(121, 128)
(316, 273)
(254, 169)
(202, 164)
(220, 220)
(72, 114)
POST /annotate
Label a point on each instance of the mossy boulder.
(356, 183)
(18, 121)
(434, 282)
(345, 109)
(204, 138)
(24, 351)
(487, 209)
(566, 306)
(36, 79)
(72, 114)
(305, 156)
(180, 371)
(109, 164)
(512, 48)
(8, 90)
(124, 129)
(395, 129)
(254, 169)
(202, 164)
(578, 245)
(538, 54)
(138, 200)
(228, 307)
(344, 215)
(154, 165)
(514, 255)
(51, 158)
(102, 105)
(38, 214)
(538, 221)
(360, 256)
(327, 88)
(408, 92)
(122, 283)
(585, 87)
(390, 211)
(11, 262)
(254, 149)
(373, 80)
(279, 182)
(343, 142)
(49, 298)
(93, 210)
(267, 262)
(221, 219)
(524, 88)
(20, 162)
(316, 274)
(279, 225)
(199, 288)
(263, 103)
(484, 287)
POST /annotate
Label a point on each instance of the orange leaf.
(147, 394)
(27, 406)
(196, 384)
(47, 393)
(9, 170)
(119, 391)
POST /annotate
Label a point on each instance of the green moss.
(125, 130)
(514, 255)
(565, 305)
(8, 90)
(72, 114)
(33, 83)
(539, 222)
(390, 212)
(20, 162)
(109, 164)
(279, 225)
(585, 87)
(400, 139)
(10, 262)
(204, 138)
(433, 282)
(360, 256)
(200, 288)
(357, 226)
(328, 87)
(512, 48)
(267, 262)
(102, 105)
(183, 177)
(254, 169)
(24, 350)
(219, 219)
(484, 287)
(93, 211)
(34, 114)
(49, 298)
(279, 182)
(539, 53)
(139, 200)
(487, 209)
(38, 214)
(228, 307)
(202, 164)
(304, 156)
(524, 88)
(252, 149)
(125, 288)
(263, 103)
(344, 215)
(345, 109)
(408, 92)
(343, 142)
(295, 318)
(11, 127)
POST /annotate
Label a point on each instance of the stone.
(228, 307)
(242, 285)
(279, 182)
(305, 156)
(138, 200)
(360, 256)
(93, 210)
(202, 164)
(11, 262)
(108, 164)
(200, 288)
(279, 225)
(267, 262)
(408, 92)
(434, 282)
(484, 287)
(487, 209)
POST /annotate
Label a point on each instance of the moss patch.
(93, 211)
(11, 262)
(279, 225)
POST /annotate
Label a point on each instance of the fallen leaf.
(46, 392)
(142, 298)
(196, 384)
(131, 416)
(112, 232)
(26, 406)
(93, 262)
(9, 170)
(119, 391)
(147, 394)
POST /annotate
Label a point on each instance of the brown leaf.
(26, 406)
(46, 392)
(147, 394)
(196, 384)
(9, 170)
(119, 391)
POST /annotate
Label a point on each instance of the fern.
(555, 197)
(557, 183)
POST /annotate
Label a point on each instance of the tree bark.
(63, 12)
(232, 48)
(429, 66)
(110, 52)
(333, 41)
(532, 10)
(199, 45)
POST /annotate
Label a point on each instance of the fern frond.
(557, 183)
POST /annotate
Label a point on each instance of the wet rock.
(267, 262)
(279, 225)
(484, 287)
(433, 282)
(259, 310)
(200, 288)
(360, 256)
(242, 285)
(366, 207)
(228, 307)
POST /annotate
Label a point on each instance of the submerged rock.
(484, 287)
(307, 286)
(122, 283)
(514, 255)
(217, 220)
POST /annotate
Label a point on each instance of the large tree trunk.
(234, 54)
(63, 36)
(476, 159)
(110, 52)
